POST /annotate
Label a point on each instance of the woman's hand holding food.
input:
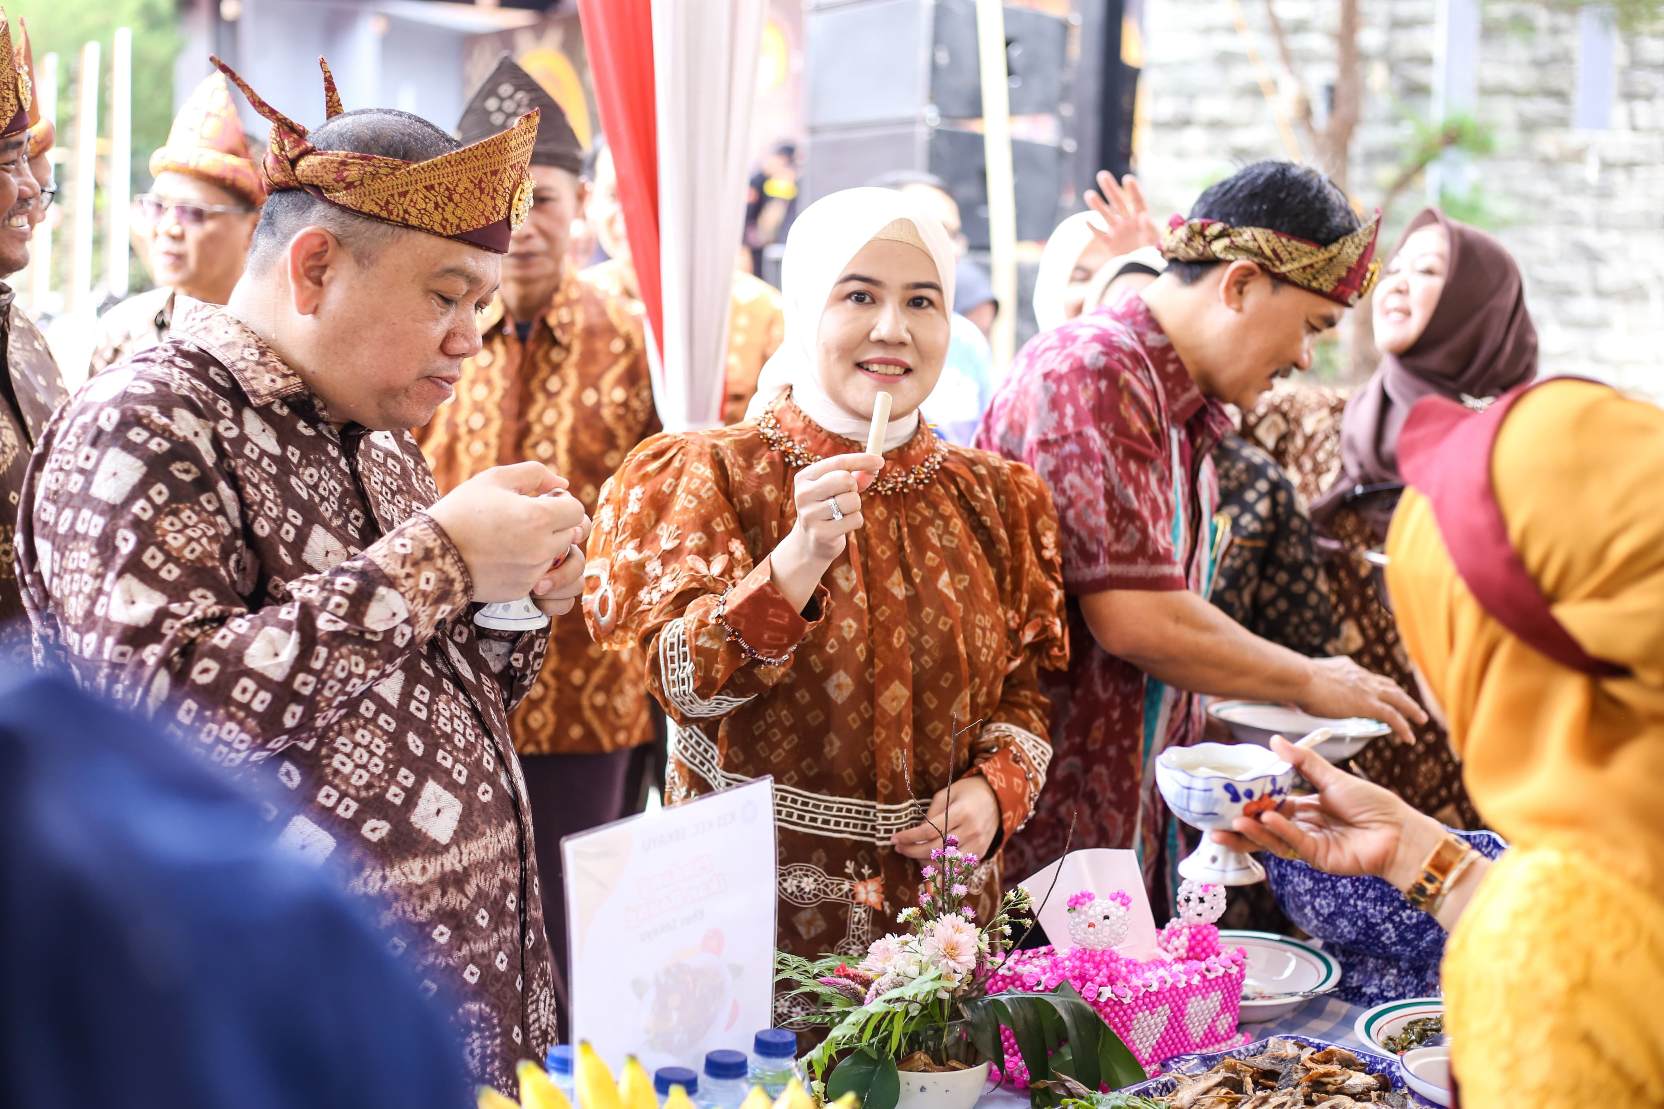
(1349, 826)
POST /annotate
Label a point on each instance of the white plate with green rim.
(1376, 1026)
(1283, 974)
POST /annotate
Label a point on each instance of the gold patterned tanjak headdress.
(1343, 271)
(477, 195)
(207, 141)
(41, 132)
(16, 93)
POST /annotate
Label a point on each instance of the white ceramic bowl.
(1258, 721)
(1374, 1027)
(1211, 784)
(1427, 1072)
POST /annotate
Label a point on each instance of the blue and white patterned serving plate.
(1164, 1083)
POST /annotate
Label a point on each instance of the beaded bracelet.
(1439, 873)
(738, 640)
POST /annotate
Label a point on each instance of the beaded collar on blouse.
(800, 456)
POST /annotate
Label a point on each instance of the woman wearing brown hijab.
(1450, 320)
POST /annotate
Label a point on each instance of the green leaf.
(875, 1081)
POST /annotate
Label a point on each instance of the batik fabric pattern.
(1105, 411)
(202, 544)
(35, 393)
(756, 328)
(1270, 578)
(941, 615)
(1300, 427)
(138, 323)
(1344, 271)
(576, 396)
(477, 194)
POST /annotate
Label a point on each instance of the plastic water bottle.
(666, 1077)
(773, 1060)
(724, 1082)
(559, 1065)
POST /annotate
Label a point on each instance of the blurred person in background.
(33, 387)
(756, 321)
(561, 377)
(158, 949)
(197, 221)
(1094, 256)
(771, 201)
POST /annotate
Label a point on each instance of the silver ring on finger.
(832, 504)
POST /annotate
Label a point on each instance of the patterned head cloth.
(42, 134)
(1343, 271)
(509, 93)
(207, 141)
(476, 195)
(16, 91)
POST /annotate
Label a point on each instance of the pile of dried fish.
(1287, 1075)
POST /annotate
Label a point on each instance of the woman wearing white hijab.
(867, 630)
(1089, 250)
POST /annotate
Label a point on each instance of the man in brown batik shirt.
(234, 533)
(563, 379)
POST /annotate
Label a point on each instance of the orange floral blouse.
(947, 604)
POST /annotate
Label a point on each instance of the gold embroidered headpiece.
(42, 134)
(16, 93)
(1343, 271)
(207, 141)
(476, 195)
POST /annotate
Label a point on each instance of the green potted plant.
(912, 1026)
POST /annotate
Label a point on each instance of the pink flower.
(951, 945)
(961, 889)
(928, 872)
(883, 955)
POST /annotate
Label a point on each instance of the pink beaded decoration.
(1099, 924)
(1159, 1007)
(1194, 934)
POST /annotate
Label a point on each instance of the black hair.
(384, 131)
(1282, 196)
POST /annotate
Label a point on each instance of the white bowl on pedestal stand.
(1211, 784)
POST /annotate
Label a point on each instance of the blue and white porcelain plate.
(1164, 1083)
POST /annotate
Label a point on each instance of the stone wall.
(1582, 211)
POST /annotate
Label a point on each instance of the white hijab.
(819, 245)
(1057, 262)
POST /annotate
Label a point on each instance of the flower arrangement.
(919, 1001)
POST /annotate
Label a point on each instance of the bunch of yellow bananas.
(598, 1090)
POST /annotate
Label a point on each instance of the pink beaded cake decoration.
(1186, 1000)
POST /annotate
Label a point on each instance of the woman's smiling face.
(884, 327)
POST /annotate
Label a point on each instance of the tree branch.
(1347, 109)
(1303, 109)
(1448, 136)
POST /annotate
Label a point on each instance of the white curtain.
(705, 73)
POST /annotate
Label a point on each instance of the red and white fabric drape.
(675, 81)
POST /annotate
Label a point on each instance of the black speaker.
(875, 61)
(847, 157)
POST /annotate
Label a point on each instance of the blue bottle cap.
(775, 1043)
(726, 1065)
(559, 1060)
(666, 1077)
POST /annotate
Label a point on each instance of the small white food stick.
(880, 422)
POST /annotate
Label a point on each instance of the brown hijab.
(1479, 344)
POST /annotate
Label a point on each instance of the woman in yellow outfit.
(1526, 570)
